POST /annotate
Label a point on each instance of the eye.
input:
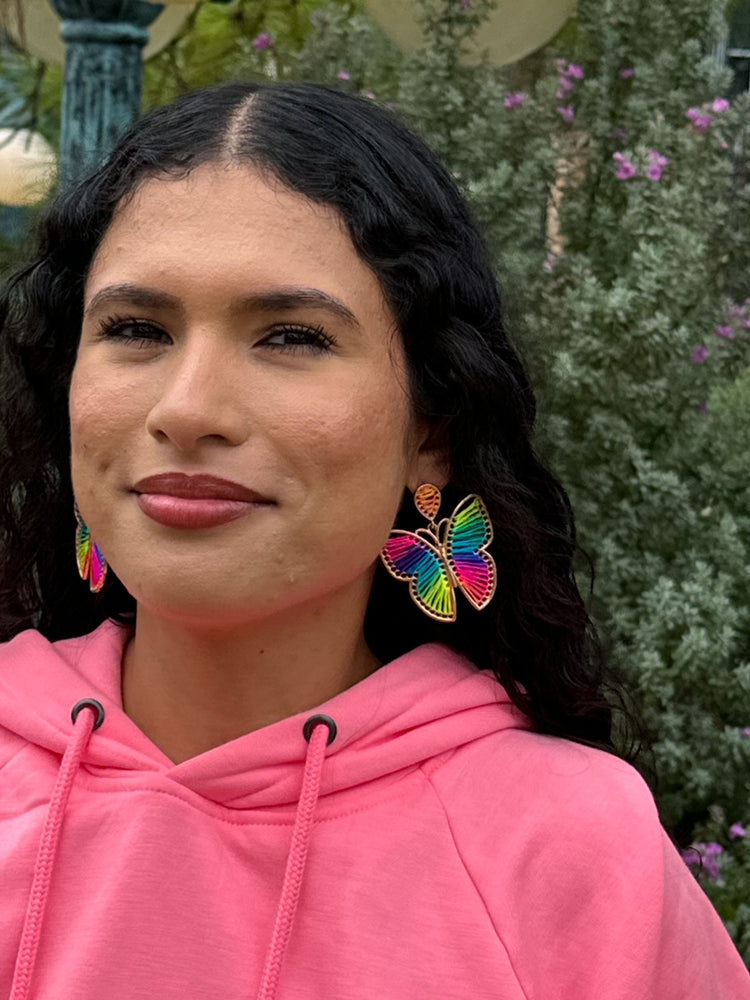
(293, 337)
(132, 330)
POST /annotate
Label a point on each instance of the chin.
(205, 615)
(206, 604)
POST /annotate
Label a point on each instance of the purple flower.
(369, 95)
(465, 4)
(711, 868)
(568, 74)
(656, 164)
(343, 75)
(720, 104)
(725, 331)
(701, 122)
(567, 113)
(514, 100)
(711, 855)
(700, 355)
(704, 856)
(263, 41)
(625, 169)
(746, 731)
(627, 72)
(737, 830)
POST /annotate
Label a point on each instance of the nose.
(201, 397)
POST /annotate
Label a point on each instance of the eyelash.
(115, 327)
(147, 333)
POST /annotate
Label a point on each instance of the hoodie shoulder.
(529, 787)
(563, 844)
(40, 682)
(19, 653)
(30, 648)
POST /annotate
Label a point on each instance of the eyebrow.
(284, 299)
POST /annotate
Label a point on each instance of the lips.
(177, 500)
(198, 487)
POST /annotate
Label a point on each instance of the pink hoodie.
(436, 848)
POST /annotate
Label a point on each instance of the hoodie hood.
(420, 706)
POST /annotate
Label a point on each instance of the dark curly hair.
(410, 224)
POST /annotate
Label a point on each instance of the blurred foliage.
(615, 192)
(217, 43)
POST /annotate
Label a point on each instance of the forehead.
(231, 224)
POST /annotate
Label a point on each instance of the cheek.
(99, 420)
(361, 425)
(352, 453)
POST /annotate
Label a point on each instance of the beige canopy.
(514, 29)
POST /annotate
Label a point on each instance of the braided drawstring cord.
(319, 731)
(84, 723)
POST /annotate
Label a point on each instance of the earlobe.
(430, 462)
(430, 466)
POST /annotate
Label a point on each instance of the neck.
(190, 689)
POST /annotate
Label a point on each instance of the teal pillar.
(14, 223)
(104, 42)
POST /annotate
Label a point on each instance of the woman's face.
(231, 330)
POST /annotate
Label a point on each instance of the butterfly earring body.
(444, 557)
(92, 565)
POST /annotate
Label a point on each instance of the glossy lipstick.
(177, 500)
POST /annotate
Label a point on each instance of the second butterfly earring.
(445, 556)
(92, 565)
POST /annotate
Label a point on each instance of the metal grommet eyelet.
(320, 720)
(89, 703)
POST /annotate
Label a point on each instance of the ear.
(430, 462)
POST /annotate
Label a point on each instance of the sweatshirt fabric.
(436, 848)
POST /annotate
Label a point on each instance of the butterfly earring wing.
(83, 548)
(467, 536)
(90, 559)
(97, 569)
(410, 556)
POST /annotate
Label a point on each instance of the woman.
(293, 768)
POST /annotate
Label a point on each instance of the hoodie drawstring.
(317, 739)
(45, 859)
(319, 731)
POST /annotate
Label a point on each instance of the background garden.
(611, 171)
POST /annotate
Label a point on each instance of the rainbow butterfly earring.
(92, 565)
(447, 555)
